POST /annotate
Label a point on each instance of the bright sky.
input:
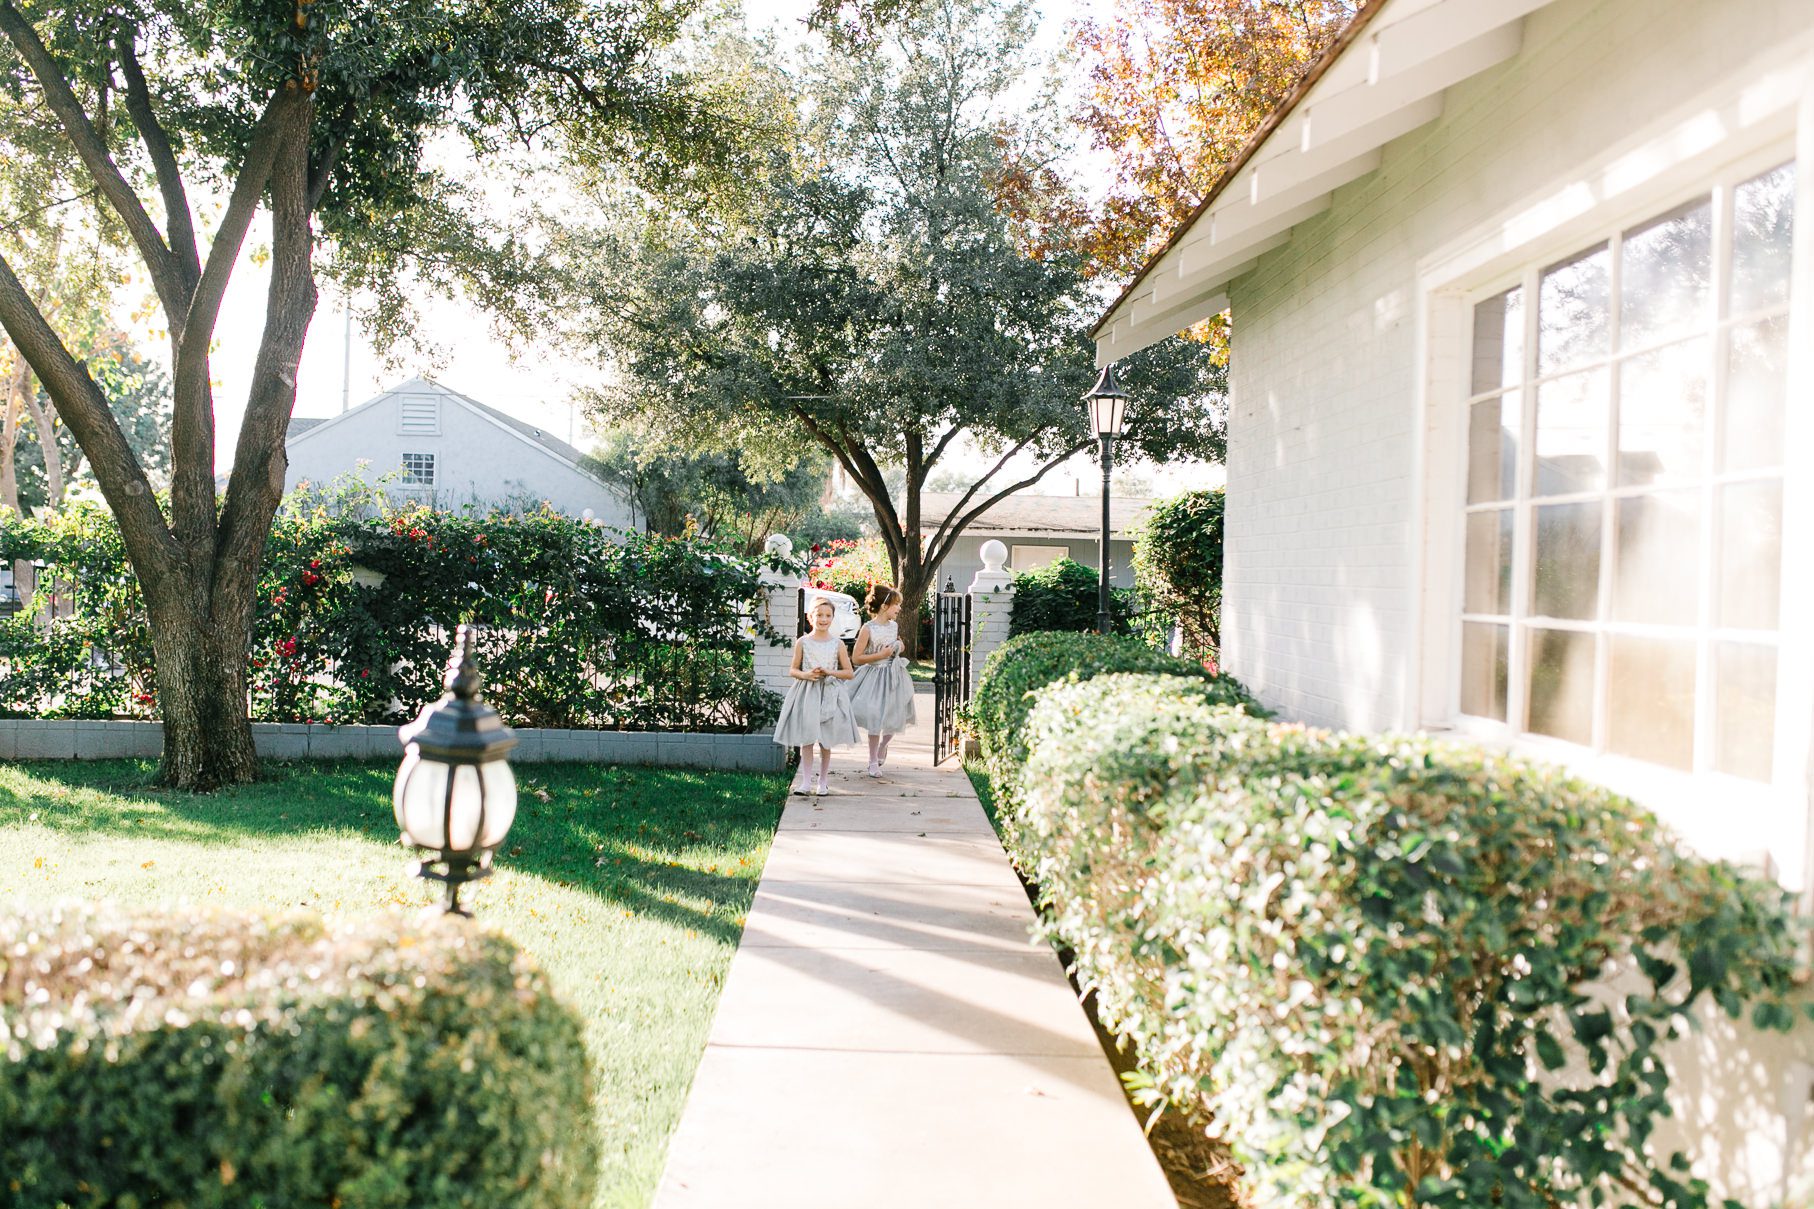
(534, 385)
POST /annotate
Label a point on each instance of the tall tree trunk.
(12, 414)
(201, 690)
(56, 483)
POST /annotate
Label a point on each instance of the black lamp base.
(454, 872)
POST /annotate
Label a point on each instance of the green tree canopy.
(871, 299)
(325, 114)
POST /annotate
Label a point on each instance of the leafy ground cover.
(628, 885)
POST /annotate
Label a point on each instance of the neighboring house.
(1521, 425)
(1039, 529)
(446, 448)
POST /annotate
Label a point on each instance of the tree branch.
(259, 461)
(192, 499)
(166, 276)
(321, 172)
(177, 219)
(84, 408)
(951, 530)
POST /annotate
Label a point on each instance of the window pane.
(1757, 386)
(1763, 224)
(1657, 578)
(1567, 579)
(1574, 321)
(1745, 733)
(1665, 272)
(1650, 700)
(1571, 434)
(1493, 449)
(1562, 684)
(1498, 341)
(1663, 414)
(1751, 519)
(1484, 653)
(1489, 563)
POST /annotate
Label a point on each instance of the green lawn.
(629, 885)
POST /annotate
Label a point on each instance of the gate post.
(779, 606)
(992, 606)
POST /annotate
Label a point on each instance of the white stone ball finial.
(779, 544)
(994, 555)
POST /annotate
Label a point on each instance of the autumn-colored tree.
(1176, 88)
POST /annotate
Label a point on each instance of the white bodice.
(883, 634)
(819, 653)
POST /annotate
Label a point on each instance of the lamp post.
(455, 795)
(1108, 408)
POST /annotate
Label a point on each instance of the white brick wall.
(1324, 525)
(781, 610)
(1320, 577)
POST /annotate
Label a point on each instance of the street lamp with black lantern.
(455, 795)
(1108, 409)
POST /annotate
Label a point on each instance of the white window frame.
(1709, 141)
(1014, 557)
(415, 484)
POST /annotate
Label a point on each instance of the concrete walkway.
(889, 1036)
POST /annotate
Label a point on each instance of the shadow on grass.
(645, 839)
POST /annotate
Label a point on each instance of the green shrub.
(1023, 665)
(1384, 967)
(1063, 595)
(583, 626)
(1178, 567)
(211, 1060)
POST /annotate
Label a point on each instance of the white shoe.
(802, 786)
(822, 789)
(875, 768)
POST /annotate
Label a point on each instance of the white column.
(991, 606)
(779, 606)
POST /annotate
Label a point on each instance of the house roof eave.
(1385, 75)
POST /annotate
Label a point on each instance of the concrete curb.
(58, 739)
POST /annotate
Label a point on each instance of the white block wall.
(1321, 558)
(990, 612)
(1319, 574)
(781, 610)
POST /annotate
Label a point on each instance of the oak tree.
(873, 304)
(321, 114)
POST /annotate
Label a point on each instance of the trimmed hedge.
(1384, 967)
(1063, 595)
(1178, 564)
(212, 1060)
(1023, 665)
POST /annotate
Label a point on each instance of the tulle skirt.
(881, 697)
(816, 711)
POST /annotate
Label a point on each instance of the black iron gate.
(950, 669)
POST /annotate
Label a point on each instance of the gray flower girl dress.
(881, 696)
(817, 711)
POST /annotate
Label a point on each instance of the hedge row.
(357, 600)
(211, 1060)
(1030, 662)
(1382, 968)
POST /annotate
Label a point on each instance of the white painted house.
(1521, 431)
(449, 449)
(1040, 529)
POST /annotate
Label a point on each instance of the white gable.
(440, 445)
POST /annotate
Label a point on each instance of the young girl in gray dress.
(817, 709)
(882, 695)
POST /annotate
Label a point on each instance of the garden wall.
(48, 739)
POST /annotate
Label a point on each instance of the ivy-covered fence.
(584, 627)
